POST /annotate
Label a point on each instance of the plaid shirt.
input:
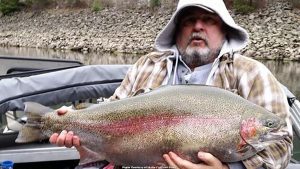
(244, 76)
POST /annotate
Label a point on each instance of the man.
(199, 45)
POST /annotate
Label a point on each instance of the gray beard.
(197, 57)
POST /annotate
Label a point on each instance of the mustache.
(197, 36)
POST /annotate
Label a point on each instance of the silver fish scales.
(184, 119)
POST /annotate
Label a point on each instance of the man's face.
(199, 37)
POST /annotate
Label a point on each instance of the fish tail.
(31, 131)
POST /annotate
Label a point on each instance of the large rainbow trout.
(184, 119)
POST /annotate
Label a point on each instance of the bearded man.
(199, 45)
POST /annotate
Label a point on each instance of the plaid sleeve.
(258, 85)
(124, 90)
(148, 72)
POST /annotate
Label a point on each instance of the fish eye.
(269, 123)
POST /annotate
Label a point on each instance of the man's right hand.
(65, 138)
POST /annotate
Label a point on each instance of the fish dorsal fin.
(36, 108)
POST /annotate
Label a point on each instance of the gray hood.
(237, 37)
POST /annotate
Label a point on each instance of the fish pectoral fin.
(245, 152)
(89, 156)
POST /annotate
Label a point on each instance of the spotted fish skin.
(185, 119)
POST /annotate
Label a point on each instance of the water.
(288, 73)
(87, 59)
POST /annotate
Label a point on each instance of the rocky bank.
(274, 32)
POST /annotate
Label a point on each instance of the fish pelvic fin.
(31, 131)
(88, 156)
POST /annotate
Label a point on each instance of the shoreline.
(274, 32)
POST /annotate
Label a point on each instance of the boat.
(54, 83)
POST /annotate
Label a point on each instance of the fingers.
(69, 139)
(174, 161)
(209, 162)
(169, 161)
(61, 138)
(53, 138)
(66, 139)
(61, 111)
(76, 142)
(209, 159)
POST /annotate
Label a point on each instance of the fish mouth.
(265, 140)
(273, 136)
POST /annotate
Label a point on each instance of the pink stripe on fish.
(138, 124)
(134, 125)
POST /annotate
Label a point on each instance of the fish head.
(259, 131)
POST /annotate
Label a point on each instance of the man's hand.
(209, 162)
(65, 138)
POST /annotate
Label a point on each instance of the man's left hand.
(208, 162)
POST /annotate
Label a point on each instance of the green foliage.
(9, 6)
(154, 3)
(243, 6)
(96, 6)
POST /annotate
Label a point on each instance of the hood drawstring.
(175, 70)
(177, 57)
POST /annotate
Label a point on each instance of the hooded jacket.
(237, 37)
(231, 71)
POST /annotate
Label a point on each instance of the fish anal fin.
(89, 156)
(29, 134)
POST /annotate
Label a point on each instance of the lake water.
(288, 73)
